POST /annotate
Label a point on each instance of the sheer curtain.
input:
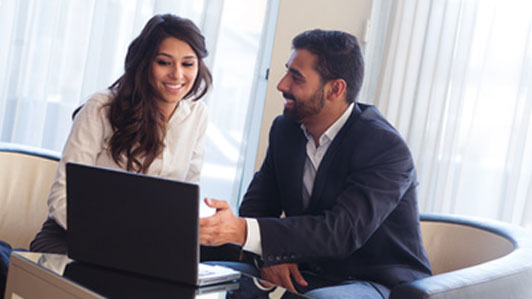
(454, 76)
(56, 53)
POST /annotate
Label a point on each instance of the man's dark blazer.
(362, 219)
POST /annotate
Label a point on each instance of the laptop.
(121, 284)
(137, 223)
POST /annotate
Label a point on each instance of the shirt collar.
(181, 111)
(333, 130)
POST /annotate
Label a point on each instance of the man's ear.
(337, 89)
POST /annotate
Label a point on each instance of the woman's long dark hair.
(139, 127)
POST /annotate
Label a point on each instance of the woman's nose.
(177, 72)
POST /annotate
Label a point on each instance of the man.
(342, 176)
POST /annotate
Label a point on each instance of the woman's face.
(174, 71)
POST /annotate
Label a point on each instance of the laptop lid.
(133, 222)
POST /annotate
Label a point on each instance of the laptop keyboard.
(211, 274)
(204, 271)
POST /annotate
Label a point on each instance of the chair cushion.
(452, 246)
(25, 182)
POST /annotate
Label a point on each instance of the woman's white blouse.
(88, 143)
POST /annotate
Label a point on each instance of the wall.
(294, 17)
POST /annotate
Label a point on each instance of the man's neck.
(319, 123)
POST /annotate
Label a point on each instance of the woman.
(149, 121)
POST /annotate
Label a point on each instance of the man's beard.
(304, 109)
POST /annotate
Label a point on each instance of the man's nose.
(282, 85)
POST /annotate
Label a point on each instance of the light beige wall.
(294, 17)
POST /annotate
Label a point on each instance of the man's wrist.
(243, 231)
(253, 239)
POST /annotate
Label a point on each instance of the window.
(55, 54)
(453, 76)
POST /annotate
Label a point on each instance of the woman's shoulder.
(96, 105)
(188, 108)
(198, 106)
(100, 98)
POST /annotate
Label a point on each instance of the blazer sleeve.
(380, 172)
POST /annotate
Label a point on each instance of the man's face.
(302, 87)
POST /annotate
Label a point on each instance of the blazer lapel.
(328, 160)
(293, 161)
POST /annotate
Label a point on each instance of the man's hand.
(223, 227)
(280, 275)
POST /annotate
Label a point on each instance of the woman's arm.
(85, 142)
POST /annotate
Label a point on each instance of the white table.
(27, 279)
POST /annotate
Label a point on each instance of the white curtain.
(455, 78)
(54, 54)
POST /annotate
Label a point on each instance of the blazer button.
(271, 258)
(292, 256)
(278, 258)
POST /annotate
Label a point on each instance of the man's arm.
(381, 172)
(223, 227)
(261, 201)
(378, 179)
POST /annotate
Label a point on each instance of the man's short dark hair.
(339, 57)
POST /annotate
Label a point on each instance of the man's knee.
(356, 289)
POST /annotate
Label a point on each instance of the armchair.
(25, 178)
(472, 258)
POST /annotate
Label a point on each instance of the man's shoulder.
(370, 132)
(371, 116)
(281, 120)
(285, 126)
(368, 120)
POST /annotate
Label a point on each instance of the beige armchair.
(472, 258)
(26, 174)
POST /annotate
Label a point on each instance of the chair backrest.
(452, 246)
(26, 174)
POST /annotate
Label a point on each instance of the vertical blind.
(455, 78)
(54, 54)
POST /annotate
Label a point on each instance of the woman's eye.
(188, 64)
(163, 62)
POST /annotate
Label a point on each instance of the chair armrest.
(509, 276)
(29, 150)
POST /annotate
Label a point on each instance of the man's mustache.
(289, 96)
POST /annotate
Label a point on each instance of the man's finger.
(205, 221)
(287, 282)
(294, 270)
(209, 239)
(217, 204)
(204, 239)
